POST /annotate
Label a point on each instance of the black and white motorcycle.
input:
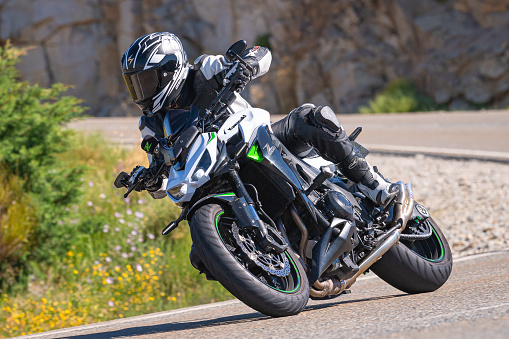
(272, 228)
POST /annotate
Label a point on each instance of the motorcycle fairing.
(273, 160)
(245, 121)
(205, 145)
(248, 120)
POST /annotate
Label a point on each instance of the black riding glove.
(148, 182)
(244, 77)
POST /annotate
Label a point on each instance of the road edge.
(132, 321)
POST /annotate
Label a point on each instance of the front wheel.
(417, 266)
(272, 283)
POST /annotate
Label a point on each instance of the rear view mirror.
(236, 49)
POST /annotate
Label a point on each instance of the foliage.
(31, 137)
(115, 264)
(400, 96)
(263, 41)
(82, 260)
(17, 220)
(109, 288)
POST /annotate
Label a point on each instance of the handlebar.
(227, 95)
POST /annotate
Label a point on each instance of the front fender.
(212, 198)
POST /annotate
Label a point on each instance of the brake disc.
(274, 263)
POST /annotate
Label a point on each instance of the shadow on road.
(172, 327)
(337, 302)
(229, 320)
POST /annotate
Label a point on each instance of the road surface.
(474, 303)
(479, 134)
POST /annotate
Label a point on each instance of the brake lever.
(241, 61)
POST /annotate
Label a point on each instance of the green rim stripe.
(286, 252)
(441, 246)
(217, 226)
(298, 277)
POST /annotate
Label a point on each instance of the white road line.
(466, 311)
(480, 255)
(453, 152)
(131, 320)
(136, 319)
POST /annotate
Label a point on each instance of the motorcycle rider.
(161, 81)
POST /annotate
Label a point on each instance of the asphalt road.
(479, 134)
(479, 130)
(474, 303)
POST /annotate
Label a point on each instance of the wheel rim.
(287, 284)
(430, 249)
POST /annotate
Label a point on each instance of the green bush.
(400, 96)
(116, 263)
(263, 41)
(83, 260)
(32, 136)
(17, 220)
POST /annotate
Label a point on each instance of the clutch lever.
(139, 180)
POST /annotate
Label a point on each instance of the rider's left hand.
(135, 175)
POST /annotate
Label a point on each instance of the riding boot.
(370, 182)
(334, 145)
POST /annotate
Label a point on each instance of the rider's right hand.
(243, 79)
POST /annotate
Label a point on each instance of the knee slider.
(325, 116)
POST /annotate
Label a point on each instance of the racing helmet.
(154, 69)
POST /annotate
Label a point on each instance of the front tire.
(417, 267)
(272, 295)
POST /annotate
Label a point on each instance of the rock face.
(339, 53)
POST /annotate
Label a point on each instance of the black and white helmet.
(154, 69)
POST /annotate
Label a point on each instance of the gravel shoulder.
(468, 198)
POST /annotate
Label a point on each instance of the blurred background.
(454, 53)
(73, 251)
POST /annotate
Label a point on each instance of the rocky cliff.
(335, 52)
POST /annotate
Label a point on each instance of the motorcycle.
(275, 229)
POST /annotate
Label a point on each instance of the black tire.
(417, 267)
(208, 229)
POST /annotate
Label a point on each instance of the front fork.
(245, 212)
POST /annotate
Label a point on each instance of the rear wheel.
(272, 283)
(417, 266)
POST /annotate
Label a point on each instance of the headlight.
(202, 166)
(178, 191)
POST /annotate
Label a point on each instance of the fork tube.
(239, 186)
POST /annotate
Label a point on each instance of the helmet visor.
(142, 85)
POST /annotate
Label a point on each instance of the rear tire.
(249, 283)
(417, 267)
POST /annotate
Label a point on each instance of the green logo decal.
(147, 147)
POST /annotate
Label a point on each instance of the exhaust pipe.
(402, 212)
(303, 232)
